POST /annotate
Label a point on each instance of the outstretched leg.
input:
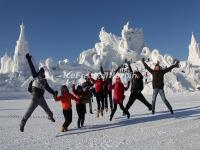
(113, 111)
(125, 110)
(141, 97)
(162, 94)
(46, 108)
(32, 107)
(130, 101)
(155, 94)
(110, 99)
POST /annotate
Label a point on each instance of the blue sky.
(63, 28)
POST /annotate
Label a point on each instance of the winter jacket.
(136, 83)
(83, 96)
(39, 84)
(98, 84)
(87, 87)
(158, 75)
(119, 90)
(66, 100)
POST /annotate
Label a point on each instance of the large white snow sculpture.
(194, 52)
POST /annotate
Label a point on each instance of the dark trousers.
(140, 97)
(115, 108)
(100, 101)
(81, 110)
(68, 118)
(108, 94)
(36, 101)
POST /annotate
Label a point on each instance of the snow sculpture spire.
(194, 51)
(193, 39)
(21, 49)
(22, 34)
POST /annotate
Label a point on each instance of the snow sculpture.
(21, 49)
(113, 50)
(194, 52)
(6, 64)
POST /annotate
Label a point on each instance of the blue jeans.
(162, 95)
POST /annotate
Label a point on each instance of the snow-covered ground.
(142, 131)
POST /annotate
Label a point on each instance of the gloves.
(55, 93)
(177, 63)
(28, 56)
(143, 59)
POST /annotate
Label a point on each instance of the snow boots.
(63, 129)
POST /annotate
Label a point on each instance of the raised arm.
(117, 70)
(129, 67)
(171, 67)
(91, 79)
(146, 66)
(50, 90)
(33, 71)
(101, 69)
(74, 89)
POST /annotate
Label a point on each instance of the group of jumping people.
(102, 88)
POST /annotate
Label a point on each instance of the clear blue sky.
(63, 28)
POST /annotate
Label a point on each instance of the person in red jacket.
(119, 96)
(65, 99)
(99, 93)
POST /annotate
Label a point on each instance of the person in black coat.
(88, 87)
(39, 85)
(136, 89)
(158, 83)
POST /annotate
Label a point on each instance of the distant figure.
(88, 87)
(38, 87)
(158, 83)
(107, 87)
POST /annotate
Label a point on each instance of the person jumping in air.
(65, 99)
(39, 84)
(81, 104)
(87, 87)
(136, 89)
(119, 96)
(158, 83)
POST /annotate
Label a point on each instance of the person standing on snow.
(39, 85)
(99, 93)
(107, 87)
(136, 89)
(81, 104)
(87, 87)
(119, 97)
(65, 99)
(158, 83)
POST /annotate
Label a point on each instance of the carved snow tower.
(21, 49)
(194, 52)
